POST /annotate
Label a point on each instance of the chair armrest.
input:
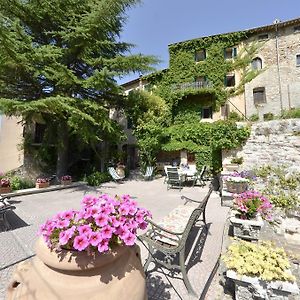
(189, 200)
(156, 226)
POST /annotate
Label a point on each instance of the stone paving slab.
(32, 210)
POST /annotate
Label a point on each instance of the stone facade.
(274, 142)
(280, 74)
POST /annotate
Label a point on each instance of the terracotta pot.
(117, 275)
(66, 182)
(42, 185)
(5, 190)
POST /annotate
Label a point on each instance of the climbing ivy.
(181, 128)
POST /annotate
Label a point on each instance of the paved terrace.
(32, 210)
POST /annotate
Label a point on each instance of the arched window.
(256, 63)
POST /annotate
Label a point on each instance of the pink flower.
(88, 200)
(81, 242)
(129, 239)
(69, 214)
(106, 232)
(103, 246)
(115, 222)
(65, 236)
(84, 229)
(95, 238)
(101, 220)
(62, 223)
(124, 209)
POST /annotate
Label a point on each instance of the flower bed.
(259, 271)
(42, 183)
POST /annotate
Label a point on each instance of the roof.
(265, 28)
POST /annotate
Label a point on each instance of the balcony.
(192, 85)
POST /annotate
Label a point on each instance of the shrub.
(96, 178)
(254, 118)
(234, 116)
(237, 160)
(268, 117)
(19, 183)
(291, 114)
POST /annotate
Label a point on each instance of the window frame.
(263, 37)
(257, 90)
(210, 112)
(254, 60)
(232, 50)
(298, 58)
(226, 80)
(203, 51)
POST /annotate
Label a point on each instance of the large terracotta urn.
(72, 275)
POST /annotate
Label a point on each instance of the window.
(262, 37)
(129, 123)
(230, 52)
(256, 63)
(39, 133)
(200, 55)
(297, 28)
(230, 80)
(259, 95)
(298, 60)
(225, 109)
(200, 82)
(206, 113)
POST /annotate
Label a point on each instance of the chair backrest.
(194, 217)
(113, 173)
(149, 171)
(202, 171)
(173, 176)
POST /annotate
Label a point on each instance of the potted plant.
(5, 186)
(259, 271)
(250, 208)
(66, 179)
(235, 184)
(91, 247)
(235, 163)
(42, 183)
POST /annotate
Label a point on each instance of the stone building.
(275, 89)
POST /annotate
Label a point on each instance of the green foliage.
(262, 260)
(59, 61)
(234, 116)
(237, 160)
(97, 178)
(281, 188)
(254, 118)
(291, 114)
(269, 117)
(19, 183)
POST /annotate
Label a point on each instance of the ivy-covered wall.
(181, 128)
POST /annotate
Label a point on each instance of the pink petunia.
(101, 220)
(81, 242)
(107, 232)
(129, 239)
(95, 238)
(103, 246)
(62, 223)
(84, 229)
(68, 215)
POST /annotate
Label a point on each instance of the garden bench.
(170, 236)
(5, 206)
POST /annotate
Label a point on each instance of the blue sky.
(154, 24)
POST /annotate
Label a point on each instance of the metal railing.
(192, 85)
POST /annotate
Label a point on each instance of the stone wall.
(274, 142)
(276, 78)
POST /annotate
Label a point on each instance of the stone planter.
(231, 167)
(246, 229)
(236, 187)
(42, 185)
(254, 288)
(66, 182)
(5, 190)
(117, 275)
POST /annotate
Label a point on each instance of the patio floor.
(32, 210)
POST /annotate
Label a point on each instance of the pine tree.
(58, 62)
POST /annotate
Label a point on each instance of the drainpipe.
(276, 22)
